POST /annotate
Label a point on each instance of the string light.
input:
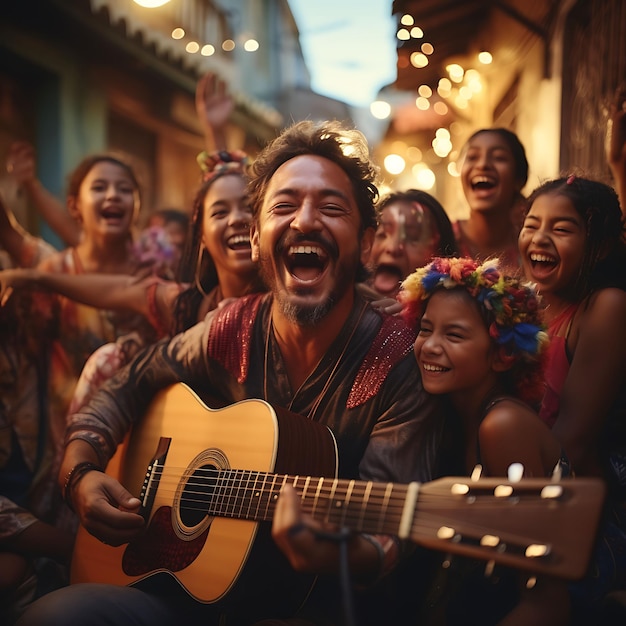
(151, 4)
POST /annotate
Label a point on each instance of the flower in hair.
(510, 306)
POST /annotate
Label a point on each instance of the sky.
(349, 47)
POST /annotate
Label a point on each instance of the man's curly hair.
(330, 139)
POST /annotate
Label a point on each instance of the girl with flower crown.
(480, 344)
(572, 247)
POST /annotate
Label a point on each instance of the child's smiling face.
(453, 347)
(552, 244)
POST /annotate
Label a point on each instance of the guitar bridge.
(153, 476)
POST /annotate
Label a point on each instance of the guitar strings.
(381, 509)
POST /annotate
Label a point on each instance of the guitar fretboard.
(362, 506)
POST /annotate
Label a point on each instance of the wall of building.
(96, 79)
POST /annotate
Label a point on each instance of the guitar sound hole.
(197, 496)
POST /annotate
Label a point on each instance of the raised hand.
(214, 106)
(22, 163)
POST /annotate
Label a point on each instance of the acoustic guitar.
(209, 479)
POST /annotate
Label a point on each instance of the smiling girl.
(572, 248)
(46, 340)
(493, 174)
(413, 228)
(480, 345)
(103, 197)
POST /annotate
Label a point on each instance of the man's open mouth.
(306, 262)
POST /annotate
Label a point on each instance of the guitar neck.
(359, 505)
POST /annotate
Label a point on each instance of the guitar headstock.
(532, 524)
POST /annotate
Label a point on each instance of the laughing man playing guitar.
(311, 346)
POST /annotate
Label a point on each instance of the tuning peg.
(447, 561)
(531, 582)
(489, 568)
(515, 472)
(557, 472)
(476, 472)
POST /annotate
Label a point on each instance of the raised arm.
(24, 249)
(21, 165)
(105, 291)
(214, 106)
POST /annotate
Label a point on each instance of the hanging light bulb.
(151, 4)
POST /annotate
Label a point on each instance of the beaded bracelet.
(74, 476)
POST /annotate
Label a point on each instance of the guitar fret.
(246, 499)
(364, 503)
(219, 480)
(219, 491)
(307, 480)
(275, 494)
(354, 514)
(385, 507)
(316, 499)
(257, 494)
(337, 507)
(239, 499)
(269, 495)
(228, 496)
(331, 500)
(257, 491)
(346, 507)
(211, 483)
(224, 490)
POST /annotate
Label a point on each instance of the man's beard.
(303, 314)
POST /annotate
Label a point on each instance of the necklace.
(320, 396)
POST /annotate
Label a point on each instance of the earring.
(198, 280)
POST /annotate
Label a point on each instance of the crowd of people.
(427, 348)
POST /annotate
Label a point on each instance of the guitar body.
(215, 559)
